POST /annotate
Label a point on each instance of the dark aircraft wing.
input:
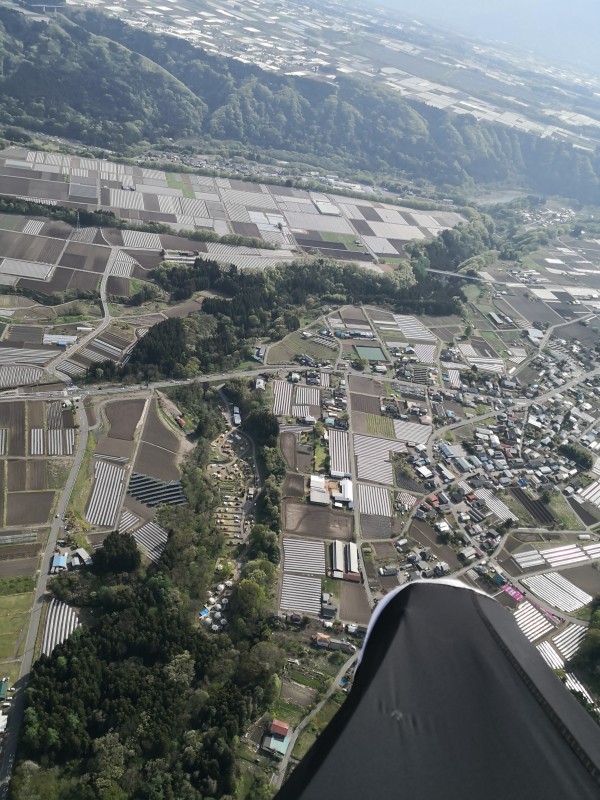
(450, 700)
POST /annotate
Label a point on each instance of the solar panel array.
(304, 555)
(339, 454)
(301, 593)
(16, 375)
(412, 432)
(61, 621)
(374, 500)
(532, 622)
(104, 500)
(568, 641)
(557, 591)
(556, 557)
(151, 539)
(373, 458)
(497, 507)
(282, 403)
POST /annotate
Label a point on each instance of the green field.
(294, 345)
(288, 712)
(14, 619)
(314, 728)
(564, 513)
(345, 238)
(15, 586)
(380, 426)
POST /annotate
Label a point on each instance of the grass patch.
(306, 680)
(303, 743)
(526, 520)
(14, 619)
(57, 473)
(288, 712)
(564, 513)
(16, 586)
(14, 604)
(345, 238)
(320, 457)
(83, 483)
(380, 426)
(326, 714)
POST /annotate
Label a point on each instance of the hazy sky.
(558, 29)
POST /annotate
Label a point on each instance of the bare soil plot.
(375, 527)
(585, 577)
(364, 385)
(183, 309)
(18, 567)
(113, 236)
(352, 315)
(149, 260)
(302, 696)
(385, 551)
(294, 486)
(359, 422)
(321, 523)
(58, 283)
(155, 432)
(24, 333)
(354, 606)
(425, 535)
(36, 475)
(16, 424)
(288, 449)
(366, 403)
(90, 413)
(123, 417)
(157, 462)
(118, 286)
(56, 230)
(87, 281)
(118, 448)
(116, 340)
(17, 475)
(28, 508)
(68, 420)
(79, 255)
(35, 413)
(10, 552)
(585, 511)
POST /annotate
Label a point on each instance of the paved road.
(335, 685)
(106, 320)
(16, 716)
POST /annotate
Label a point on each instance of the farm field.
(28, 508)
(14, 618)
(123, 417)
(380, 426)
(321, 523)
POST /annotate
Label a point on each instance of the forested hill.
(93, 78)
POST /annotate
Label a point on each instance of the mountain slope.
(92, 77)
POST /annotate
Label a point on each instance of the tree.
(119, 553)
(263, 543)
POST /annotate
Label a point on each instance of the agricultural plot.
(537, 508)
(28, 508)
(373, 459)
(104, 499)
(379, 426)
(123, 417)
(14, 618)
(151, 539)
(320, 523)
(61, 621)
